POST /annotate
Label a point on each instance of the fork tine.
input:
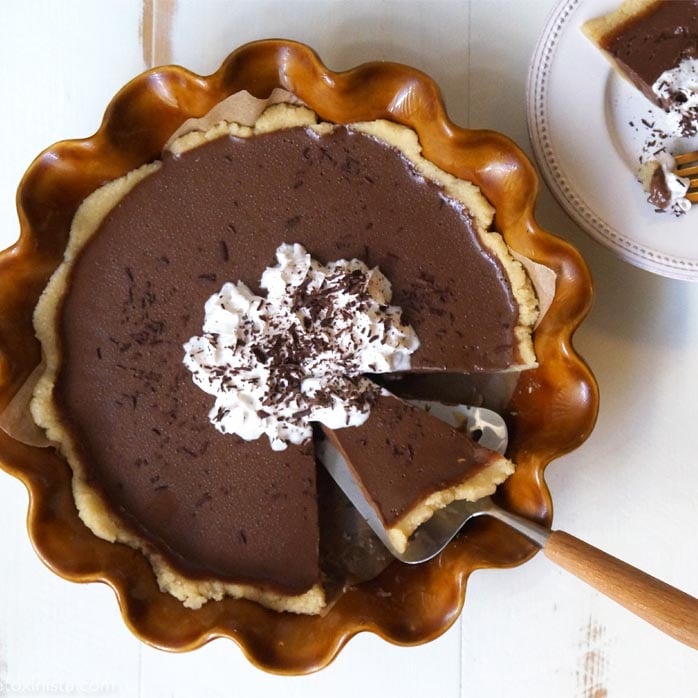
(687, 166)
(687, 171)
(686, 159)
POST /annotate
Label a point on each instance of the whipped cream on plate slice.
(276, 364)
(677, 90)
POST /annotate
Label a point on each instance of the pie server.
(667, 608)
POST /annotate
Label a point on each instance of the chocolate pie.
(215, 513)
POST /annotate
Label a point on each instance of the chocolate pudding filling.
(211, 505)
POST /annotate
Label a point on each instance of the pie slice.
(410, 464)
(645, 38)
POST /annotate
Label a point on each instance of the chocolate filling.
(212, 504)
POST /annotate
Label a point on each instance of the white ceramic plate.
(588, 127)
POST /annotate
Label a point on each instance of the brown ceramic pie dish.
(552, 411)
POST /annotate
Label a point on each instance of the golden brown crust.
(602, 29)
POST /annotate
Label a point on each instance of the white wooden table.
(631, 489)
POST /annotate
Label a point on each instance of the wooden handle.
(672, 611)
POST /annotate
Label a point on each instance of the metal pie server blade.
(486, 426)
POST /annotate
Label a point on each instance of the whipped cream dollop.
(667, 191)
(678, 90)
(276, 364)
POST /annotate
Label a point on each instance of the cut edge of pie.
(470, 489)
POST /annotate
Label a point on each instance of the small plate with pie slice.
(589, 128)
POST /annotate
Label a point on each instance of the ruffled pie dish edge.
(552, 411)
